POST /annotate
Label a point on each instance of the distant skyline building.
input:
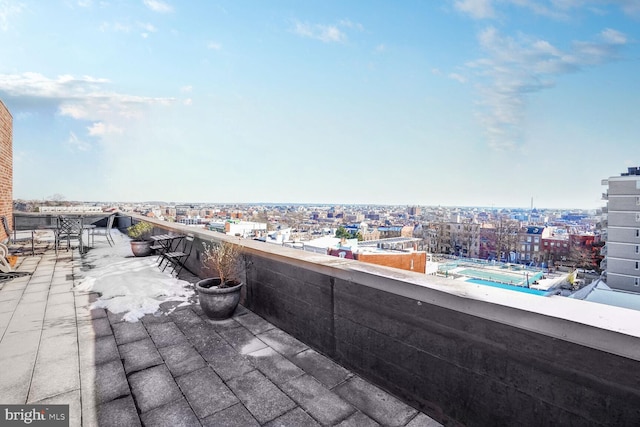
(622, 249)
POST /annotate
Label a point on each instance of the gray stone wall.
(464, 355)
(456, 367)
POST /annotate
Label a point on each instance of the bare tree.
(506, 237)
(56, 197)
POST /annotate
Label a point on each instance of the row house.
(460, 239)
(530, 242)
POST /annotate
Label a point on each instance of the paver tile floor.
(172, 368)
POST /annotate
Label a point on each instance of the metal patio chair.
(15, 240)
(69, 228)
(106, 231)
(178, 257)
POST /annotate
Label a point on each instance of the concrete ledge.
(457, 351)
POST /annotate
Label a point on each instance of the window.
(637, 281)
(536, 240)
(637, 232)
(637, 217)
(637, 263)
(546, 243)
(529, 239)
(524, 248)
(553, 243)
(638, 200)
(637, 249)
(536, 248)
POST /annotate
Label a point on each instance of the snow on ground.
(128, 284)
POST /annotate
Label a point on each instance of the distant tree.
(469, 236)
(582, 257)
(506, 237)
(343, 233)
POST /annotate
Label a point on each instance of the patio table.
(165, 243)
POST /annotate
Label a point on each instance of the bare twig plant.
(223, 260)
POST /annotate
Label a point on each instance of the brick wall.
(411, 261)
(6, 167)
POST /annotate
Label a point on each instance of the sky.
(451, 102)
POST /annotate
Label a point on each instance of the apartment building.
(530, 244)
(622, 248)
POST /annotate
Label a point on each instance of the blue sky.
(459, 102)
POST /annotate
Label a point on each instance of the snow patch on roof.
(128, 284)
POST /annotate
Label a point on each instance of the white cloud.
(326, 33)
(186, 89)
(458, 77)
(187, 101)
(630, 7)
(117, 27)
(158, 6)
(381, 48)
(346, 23)
(557, 9)
(516, 67)
(613, 36)
(81, 98)
(100, 128)
(75, 143)
(214, 46)
(478, 9)
(9, 9)
(147, 27)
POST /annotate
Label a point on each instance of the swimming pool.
(519, 279)
(509, 287)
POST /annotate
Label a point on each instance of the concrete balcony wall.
(35, 220)
(462, 353)
(623, 203)
(624, 235)
(622, 266)
(623, 250)
(623, 219)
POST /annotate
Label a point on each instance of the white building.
(622, 249)
(64, 209)
(245, 229)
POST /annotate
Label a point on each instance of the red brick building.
(6, 168)
(411, 261)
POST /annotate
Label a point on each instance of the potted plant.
(140, 233)
(219, 295)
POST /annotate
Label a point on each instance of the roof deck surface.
(174, 367)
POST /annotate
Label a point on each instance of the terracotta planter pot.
(141, 248)
(217, 304)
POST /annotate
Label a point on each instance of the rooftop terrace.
(172, 368)
(461, 353)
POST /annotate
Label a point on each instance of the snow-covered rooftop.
(128, 284)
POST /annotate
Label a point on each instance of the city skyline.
(307, 205)
(451, 103)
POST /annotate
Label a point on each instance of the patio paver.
(174, 367)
